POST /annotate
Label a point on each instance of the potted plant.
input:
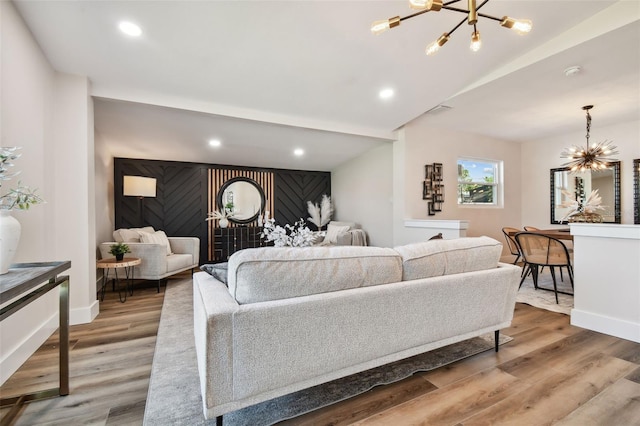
(19, 198)
(119, 250)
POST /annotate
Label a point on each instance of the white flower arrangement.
(320, 215)
(22, 197)
(296, 235)
(577, 206)
(223, 213)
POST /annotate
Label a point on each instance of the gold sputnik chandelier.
(592, 157)
(521, 26)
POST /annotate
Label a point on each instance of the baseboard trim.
(84, 315)
(612, 326)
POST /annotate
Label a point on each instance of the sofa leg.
(497, 338)
(159, 286)
(219, 421)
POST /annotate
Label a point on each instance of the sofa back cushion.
(272, 273)
(444, 257)
(130, 235)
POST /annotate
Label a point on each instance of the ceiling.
(266, 77)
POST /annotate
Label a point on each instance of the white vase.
(9, 239)
(223, 222)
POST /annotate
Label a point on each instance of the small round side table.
(127, 263)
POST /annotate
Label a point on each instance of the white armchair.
(161, 257)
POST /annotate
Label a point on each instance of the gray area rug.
(546, 299)
(174, 388)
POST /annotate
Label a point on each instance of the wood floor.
(551, 373)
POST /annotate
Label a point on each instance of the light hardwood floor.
(551, 373)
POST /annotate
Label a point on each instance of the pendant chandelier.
(592, 157)
(521, 26)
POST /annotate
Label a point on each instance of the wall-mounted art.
(432, 188)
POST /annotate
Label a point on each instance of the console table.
(229, 240)
(25, 280)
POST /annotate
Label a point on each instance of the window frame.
(497, 184)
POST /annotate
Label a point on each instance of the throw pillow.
(158, 237)
(218, 271)
(332, 233)
(130, 235)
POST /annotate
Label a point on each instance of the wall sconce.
(141, 187)
(432, 188)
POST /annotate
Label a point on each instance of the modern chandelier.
(521, 26)
(592, 157)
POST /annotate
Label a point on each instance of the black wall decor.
(185, 194)
(432, 188)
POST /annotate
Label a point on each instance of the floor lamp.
(141, 187)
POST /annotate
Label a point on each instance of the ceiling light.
(476, 43)
(521, 26)
(593, 157)
(386, 93)
(130, 29)
(215, 143)
(298, 152)
(571, 71)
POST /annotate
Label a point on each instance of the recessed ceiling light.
(386, 93)
(298, 152)
(215, 142)
(130, 29)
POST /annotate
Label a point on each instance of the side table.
(24, 280)
(128, 264)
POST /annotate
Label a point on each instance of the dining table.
(559, 233)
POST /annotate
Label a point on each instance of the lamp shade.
(138, 186)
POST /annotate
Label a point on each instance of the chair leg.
(570, 270)
(555, 287)
(561, 277)
(534, 274)
(517, 258)
(525, 272)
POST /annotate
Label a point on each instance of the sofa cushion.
(444, 257)
(158, 237)
(178, 261)
(271, 273)
(130, 235)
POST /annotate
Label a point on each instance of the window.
(479, 182)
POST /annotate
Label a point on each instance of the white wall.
(105, 210)
(539, 156)
(421, 144)
(362, 191)
(49, 115)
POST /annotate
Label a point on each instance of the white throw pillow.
(332, 233)
(158, 237)
(130, 235)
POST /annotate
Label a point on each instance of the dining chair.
(534, 229)
(540, 251)
(511, 242)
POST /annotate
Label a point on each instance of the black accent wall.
(180, 206)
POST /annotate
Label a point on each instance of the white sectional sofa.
(292, 318)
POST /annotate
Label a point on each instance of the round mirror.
(243, 197)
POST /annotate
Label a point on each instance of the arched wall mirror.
(243, 197)
(607, 182)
